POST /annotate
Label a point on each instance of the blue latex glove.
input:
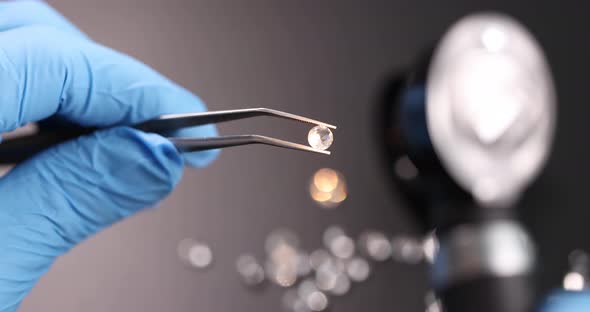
(567, 301)
(57, 199)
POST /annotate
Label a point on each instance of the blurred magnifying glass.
(466, 129)
(490, 107)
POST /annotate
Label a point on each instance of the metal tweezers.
(21, 148)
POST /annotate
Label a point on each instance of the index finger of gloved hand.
(19, 13)
(566, 301)
(60, 197)
(46, 72)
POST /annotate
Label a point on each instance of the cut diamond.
(320, 137)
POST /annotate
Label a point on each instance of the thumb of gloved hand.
(60, 197)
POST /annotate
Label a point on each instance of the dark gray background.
(319, 58)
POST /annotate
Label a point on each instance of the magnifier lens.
(490, 106)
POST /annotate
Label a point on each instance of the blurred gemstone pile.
(311, 278)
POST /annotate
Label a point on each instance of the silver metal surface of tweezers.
(168, 123)
(20, 148)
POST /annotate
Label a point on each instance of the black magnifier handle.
(512, 294)
(486, 267)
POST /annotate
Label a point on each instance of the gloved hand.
(55, 200)
(567, 301)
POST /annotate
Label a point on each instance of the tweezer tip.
(294, 117)
(319, 151)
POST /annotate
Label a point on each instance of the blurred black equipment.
(465, 130)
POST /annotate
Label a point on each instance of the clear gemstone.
(200, 256)
(317, 301)
(250, 270)
(328, 275)
(375, 245)
(407, 250)
(280, 238)
(318, 258)
(320, 137)
(358, 269)
(194, 253)
(342, 247)
(341, 285)
(431, 246)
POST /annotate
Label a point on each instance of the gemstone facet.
(320, 137)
